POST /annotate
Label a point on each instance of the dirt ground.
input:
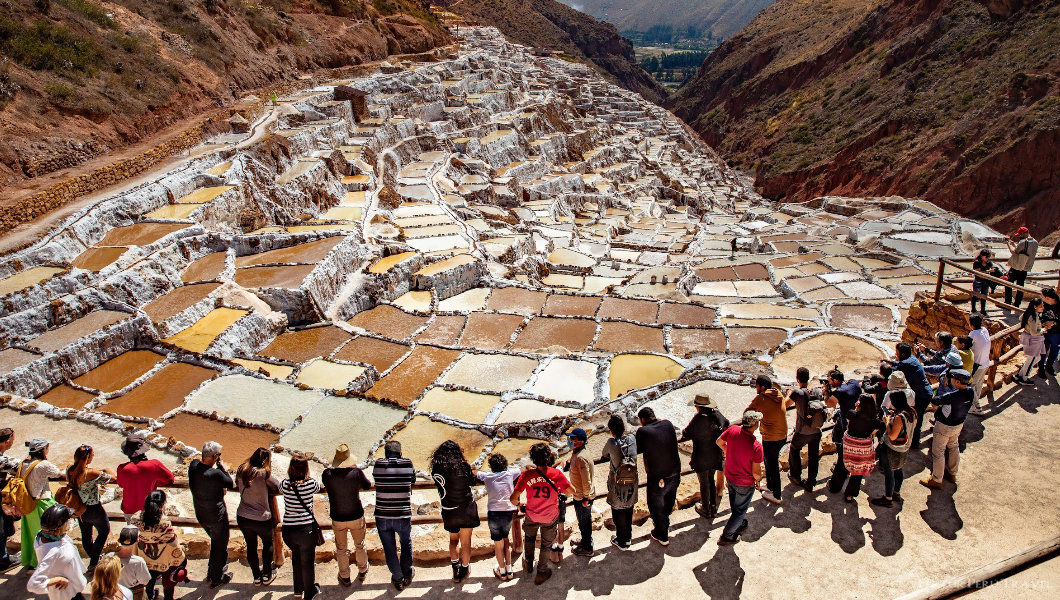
(812, 546)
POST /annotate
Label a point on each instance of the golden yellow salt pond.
(446, 265)
(388, 262)
(421, 436)
(203, 332)
(414, 301)
(341, 213)
(329, 375)
(27, 278)
(206, 194)
(219, 169)
(466, 406)
(277, 371)
(173, 211)
(636, 371)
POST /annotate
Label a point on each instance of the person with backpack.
(620, 451)
(703, 430)
(544, 485)
(898, 419)
(582, 491)
(344, 482)
(810, 415)
(918, 382)
(774, 428)
(59, 572)
(453, 478)
(85, 482)
(1023, 250)
(8, 468)
(657, 441)
(743, 470)
(139, 476)
(158, 544)
(500, 512)
(28, 494)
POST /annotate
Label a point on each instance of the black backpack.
(816, 410)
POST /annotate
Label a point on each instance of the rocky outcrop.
(951, 101)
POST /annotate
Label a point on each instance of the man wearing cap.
(344, 483)
(770, 402)
(140, 476)
(952, 410)
(1024, 250)
(703, 431)
(134, 572)
(581, 481)
(743, 470)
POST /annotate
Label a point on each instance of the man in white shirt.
(981, 355)
(134, 573)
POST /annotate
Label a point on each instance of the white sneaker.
(977, 411)
(768, 495)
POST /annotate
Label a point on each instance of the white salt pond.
(254, 400)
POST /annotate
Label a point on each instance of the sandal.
(499, 574)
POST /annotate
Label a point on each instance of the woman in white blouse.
(60, 573)
(36, 471)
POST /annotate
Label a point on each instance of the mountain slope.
(550, 24)
(722, 18)
(83, 78)
(955, 101)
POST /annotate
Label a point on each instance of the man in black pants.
(1024, 250)
(209, 481)
(844, 397)
(707, 460)
(807, 433)
(657, 441)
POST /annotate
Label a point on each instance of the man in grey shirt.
(1024, 250)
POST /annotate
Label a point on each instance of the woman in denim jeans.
(898, 418)
(984, 264)
(1052, 335)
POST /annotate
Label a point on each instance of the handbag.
(318, 533)
(68, 496)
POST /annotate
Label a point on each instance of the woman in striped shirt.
(299, 525)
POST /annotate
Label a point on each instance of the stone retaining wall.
(927, 317)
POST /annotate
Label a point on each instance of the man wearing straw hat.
(344, 483)
(707, 461)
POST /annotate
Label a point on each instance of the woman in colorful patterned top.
(159, 546)
(87, 481)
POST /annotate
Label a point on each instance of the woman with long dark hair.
(94, 520)
(255, 518)
(1032, 338)
(898, 420)
(300, 526)
(453, 477)
(858, 455)
(159, 546)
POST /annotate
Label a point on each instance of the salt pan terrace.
(488, 247)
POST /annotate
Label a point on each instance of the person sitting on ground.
(743, 470)
(809, 417)
(94, 520)
(1032, 338)
(105, 581)
(257, 488)
(858, 455)
(59, 572)
(543, 484)
(842, 396)
(582, 490)
(344, 482)
(453, 477)
(981, 344)
(929, 357)
(208, 481)
(898, 418)
(918, 382)
(36, 470)
(500, 483)
(140, 475)
(952, 411)
(703, 430)
(134, 572)
(657, 441)
(159, 546)
(394, 477)
(623, 479)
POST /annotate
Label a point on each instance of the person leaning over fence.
(500, 512)
(544, 485)
(140, 475)
(620, 451)
(743, 470)
(85, 482)
(657, 441)
(8, 468)
(810, 415)
(209, 480)
(59, 572)
(453, 478)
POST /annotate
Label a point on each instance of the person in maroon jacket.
(140, 476)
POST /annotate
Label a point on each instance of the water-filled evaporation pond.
(523, 410)
(27, 278)
(407, 380)
(205, 269)
(822, 352)
(238, 443)
(466, 406)
(300, 346)
(96, 259)
(635, 371)
(120, 371)
(254, 400)
(490, 372)
(677, 405)
(308, 253)
(329, 375)
(283, 277)
(139, 234)
(203, 332)
(177, 300)
(277, 371)
(160, 393)
(13, 358)
(567, 380)
(422, 436)
(65, 396)
(388, 262)
(334, 420)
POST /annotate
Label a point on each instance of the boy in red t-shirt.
(743, 470)
(543, 485)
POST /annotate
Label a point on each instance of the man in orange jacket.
(774, 428)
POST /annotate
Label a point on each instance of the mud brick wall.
(927, 317)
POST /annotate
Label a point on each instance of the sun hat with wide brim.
(343, 457)
(705, 401)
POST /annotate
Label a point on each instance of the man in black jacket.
(707, 460)
(657, 441)
(209, 481)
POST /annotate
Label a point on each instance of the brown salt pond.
(203, 332)
(696, 342)
(308, 253)
(489, 331)
(26, 278)
(60, 337)
(685, 314)
(632, 310)
(516, 448)
(857, 316)
(821, 353)
(523, 410)
(178, 300)
(139, 234)
(618, 336)
(160, 393)
(517, 300)
(283, 277)
(120, 371)
(573, 306)
(65, 396)
(466, 406)
(421, 436)
(408, 380)
(96, 259)
(13, 358)
(238, 443)
(300, 346)
(556, 336)
(381, 354)
(389, 321)
(204, 269)
(636, 371)
(443, 330)
(755, 339)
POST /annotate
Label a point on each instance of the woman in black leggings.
(95, 526)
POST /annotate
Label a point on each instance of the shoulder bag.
(318, 533)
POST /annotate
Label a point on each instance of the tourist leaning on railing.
(301, 532)
(394, 477)
(254, 516)
(140, 476)
(86, 482)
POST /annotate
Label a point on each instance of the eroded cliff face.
(956, 101)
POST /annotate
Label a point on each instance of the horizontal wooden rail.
(984, 276)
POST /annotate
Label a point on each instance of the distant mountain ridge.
(955, 101)
(553, 25)
(722, 18)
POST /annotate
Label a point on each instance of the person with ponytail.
(87, 481)
(60, 573)
(257, 485)
(159, 546)
(105, 581)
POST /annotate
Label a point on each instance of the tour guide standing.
(703, 430)
(657, 441)
(209, 481)
(774, 424)
(952, 410)
(743, 470)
